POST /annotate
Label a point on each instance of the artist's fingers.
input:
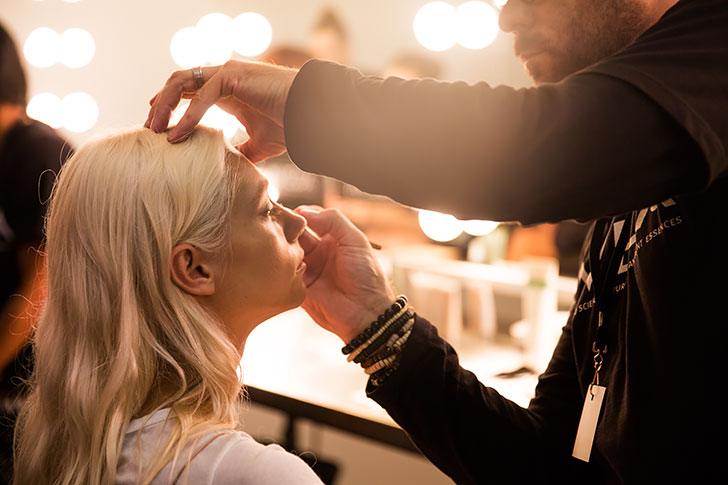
(201, 101)
(167, 99)
(334, 223)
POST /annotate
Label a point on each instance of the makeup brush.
(313, 234)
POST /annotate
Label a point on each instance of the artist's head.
(161, 259)
(555, 38)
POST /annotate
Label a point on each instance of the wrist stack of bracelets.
(378, 347)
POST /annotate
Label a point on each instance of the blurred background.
(493, 289)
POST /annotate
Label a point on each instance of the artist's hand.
(346, 287)
(254, 92)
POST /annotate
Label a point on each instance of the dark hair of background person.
(13, 85)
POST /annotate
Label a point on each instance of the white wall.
(132, 44)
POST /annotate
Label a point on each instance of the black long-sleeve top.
(637, 143)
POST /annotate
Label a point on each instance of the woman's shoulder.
(234, 457)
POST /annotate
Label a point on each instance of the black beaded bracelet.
(376, 344)
(398, 305)
(385, 350)
(378, 377)
(384, 353)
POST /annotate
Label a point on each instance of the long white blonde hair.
(116, 336)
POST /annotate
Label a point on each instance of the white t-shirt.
(219, 458)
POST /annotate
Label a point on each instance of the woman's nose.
(294, 224)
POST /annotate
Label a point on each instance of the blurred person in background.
(31, 154)
(628, 127)
(329, 39)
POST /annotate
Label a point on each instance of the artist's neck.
(9, 115)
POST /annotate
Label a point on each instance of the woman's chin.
(299, 293)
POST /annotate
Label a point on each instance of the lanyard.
(602, 276)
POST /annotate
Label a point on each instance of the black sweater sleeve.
(590, 146)
(472, 433)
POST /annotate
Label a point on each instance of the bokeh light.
(253, 34)
(479, 228)
(477, 25)
(79, 112)
(215, 117)
(42, 47)
(500, 3)
(435, 26)
(439, 227)
(187, 49)
(77, 48)
(215, 31)
(46, 107)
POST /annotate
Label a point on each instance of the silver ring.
(198, 77)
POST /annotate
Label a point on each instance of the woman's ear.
(191, 270)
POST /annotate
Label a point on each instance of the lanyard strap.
(602, 276)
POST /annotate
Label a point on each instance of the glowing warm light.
(215, 31)
(80, 112)
(215, 117)
(42, 47)
(273, 191)
(77, 48)
(435, 26)
(477, 25)
(252, 34)
(479, 228)
(45, 107)
(187, 49)
(439, 227)
(500, 3)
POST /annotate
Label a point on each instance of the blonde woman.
(161, 260)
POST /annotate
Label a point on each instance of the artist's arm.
(471, 432)
(587, 147)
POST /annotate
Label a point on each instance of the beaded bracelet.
(397, 306)
(353, 355)
(388, 348)
(389, 360)
(378, 377)
(379, 341)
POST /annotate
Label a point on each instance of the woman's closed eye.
(271, 209)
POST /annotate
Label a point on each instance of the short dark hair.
(13, 86)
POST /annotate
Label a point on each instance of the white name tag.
(588, 422)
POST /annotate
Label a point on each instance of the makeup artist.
(627, 127)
